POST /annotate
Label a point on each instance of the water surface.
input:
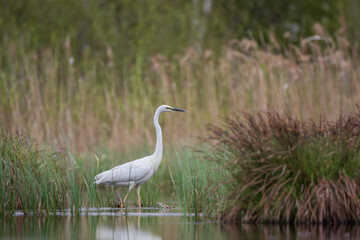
(154, 224)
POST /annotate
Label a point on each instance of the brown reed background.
(52, 97)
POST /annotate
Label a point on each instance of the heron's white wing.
(134, 171)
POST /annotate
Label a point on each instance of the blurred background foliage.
(92, 72)
(144, 28)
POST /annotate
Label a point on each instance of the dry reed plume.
(90, 102)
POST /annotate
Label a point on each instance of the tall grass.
(35, 179)
(194, 180)
(52, 96)
(31, 178)
(150, 192)
(282, 169)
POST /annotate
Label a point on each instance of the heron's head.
(166, 108)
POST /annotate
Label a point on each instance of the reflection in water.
(302, 232)
(108, 226)
(111, 225)
(121, 228)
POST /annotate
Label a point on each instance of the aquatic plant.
(151, 190)
(31, 177)
(282, 169)
(193, 181)
(34, 178)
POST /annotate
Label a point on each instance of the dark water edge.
(156, 224)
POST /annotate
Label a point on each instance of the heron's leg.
(138, 193)
(130, 188)
(119, 197)
(122, 204)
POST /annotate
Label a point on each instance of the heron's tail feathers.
(98, 178)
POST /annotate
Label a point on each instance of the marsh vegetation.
(91, 104)
(285, 170)
(264, 167)
(296, 166)
(283, 144)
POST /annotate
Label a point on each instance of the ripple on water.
(106, 211)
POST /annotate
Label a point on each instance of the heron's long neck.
(159, 144)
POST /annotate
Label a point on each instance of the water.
(154, 224)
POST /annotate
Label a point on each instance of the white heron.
(133, 174)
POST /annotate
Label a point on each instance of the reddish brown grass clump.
(285, 170)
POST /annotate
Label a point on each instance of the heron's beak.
(178, 110)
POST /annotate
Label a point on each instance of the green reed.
(36, 179)
(32, 178)
(194, 179)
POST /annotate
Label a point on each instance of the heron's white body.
(133, 174)
(129, 174)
